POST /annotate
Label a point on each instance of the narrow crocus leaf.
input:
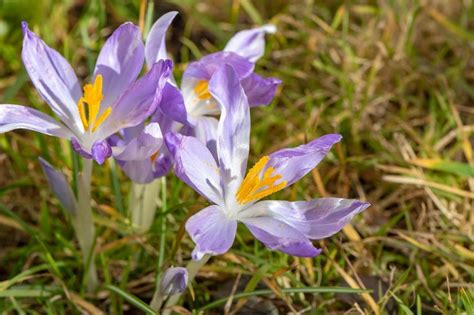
(457, 168)
(174, 281)
(60, 186)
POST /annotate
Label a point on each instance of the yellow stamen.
(82, 113)
(202, 90)
(102, 118)
(256, 186)
(154, 156)
(92, 98)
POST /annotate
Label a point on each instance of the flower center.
(202, 90)
(92, 98)
(256, 186)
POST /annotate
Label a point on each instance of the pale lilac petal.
(60, 186)
(175, 280)
(143, 146)
(212, 232)
(278, 235)
(316, 219)
(155, 47)
(195, 165)
(259, 90)
(250, 44)
(120, 61)
(76, 146)
(206, 131)
(139, 101)
(172, 104)
(101, 151)
(204, 68)
(233, 134)
(21, 117)
(163, 163)
(140, 171)
(53, 78)
(294, 163)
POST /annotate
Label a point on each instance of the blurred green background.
(395, 78)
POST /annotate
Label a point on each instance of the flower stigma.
(255, 187)
(92, 98)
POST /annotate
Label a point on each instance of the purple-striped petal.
(195, 165)
(175, 280)
(294, 163)
(233, 132)
(316, 219)
(139, 101)
(139, 171)
(143, 146)
(204, 68)
(259, 90)
(53, 78)
(120, 61)
(172, 104)
(76, 146)
(21, 117)
(278, 235)
(250, 44)
(206, 131)
(212, 232)
(60, 186)
(155, 47)
(163, 163)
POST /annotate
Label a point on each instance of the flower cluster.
(200, 129)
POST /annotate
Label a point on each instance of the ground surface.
(395, 78)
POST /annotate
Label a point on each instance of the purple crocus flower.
(114, 100)
(241, 52)
(281, 225)
(175, 280)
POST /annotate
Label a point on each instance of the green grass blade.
(456, 168)
(131, 298)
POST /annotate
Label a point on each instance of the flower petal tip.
(172, 141)
(327, 141)
(24, 27)
(269, 28)
(101, 151)
(175, 280)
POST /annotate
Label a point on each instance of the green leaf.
(456, 168)
(132, 299)
(28, 292)
(467, 299)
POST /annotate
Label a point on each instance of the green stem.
(193, 267)
(158, 298)
(142, 205)
(84, 225)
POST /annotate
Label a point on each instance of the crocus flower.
(281, 225)
(174, 281)
(114, 99)
(241, 52)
